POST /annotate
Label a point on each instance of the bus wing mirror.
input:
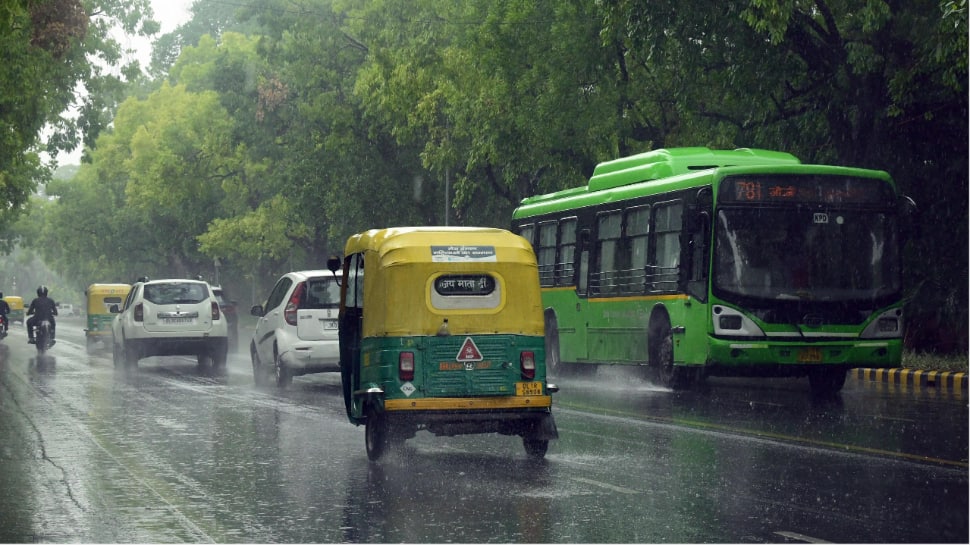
(910, 216)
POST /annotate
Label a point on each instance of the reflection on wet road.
(171, 454)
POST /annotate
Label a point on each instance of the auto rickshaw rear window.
(464, 284)
(466, 292)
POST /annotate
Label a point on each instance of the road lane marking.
(607, 486)
(801, 537)
(758, 434)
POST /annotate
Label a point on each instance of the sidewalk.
(913, 377)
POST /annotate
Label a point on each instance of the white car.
(167, 318)
(296, 333)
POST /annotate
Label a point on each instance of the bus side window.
(582, 280)
(565, 266)
(546, 253)
(667, 229)
(612, 259)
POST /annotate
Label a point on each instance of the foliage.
(270, 131)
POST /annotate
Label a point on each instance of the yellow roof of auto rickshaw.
(107, 288)
(412, 244)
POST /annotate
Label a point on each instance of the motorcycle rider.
(4, 311)
(41, 308)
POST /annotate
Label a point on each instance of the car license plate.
(528, 388)
(174, 321)
(329, 324)
(810, 355)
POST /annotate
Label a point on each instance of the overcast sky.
(171, 14)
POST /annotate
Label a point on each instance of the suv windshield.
(171, 293)
(805, 254)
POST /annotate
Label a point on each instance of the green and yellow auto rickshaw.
(441, 329)
(99, 298)
(16, 304)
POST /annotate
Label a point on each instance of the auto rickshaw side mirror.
(333, 264)
(257, 310)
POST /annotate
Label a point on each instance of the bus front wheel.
(662, 364)
(826, 382)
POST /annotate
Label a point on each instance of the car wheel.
(116, 354)
(260, 376)
(131, 355)
(283, 376)
(220, 355)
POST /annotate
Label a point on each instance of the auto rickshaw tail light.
(289, 313)
(405, 365)
(139, 313)
(215, 310)
(527, 364)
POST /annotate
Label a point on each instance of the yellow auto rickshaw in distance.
(441, 329)
(16, 304)
(99, 299)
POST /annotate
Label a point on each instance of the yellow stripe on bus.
(673, 297)
(468, 403)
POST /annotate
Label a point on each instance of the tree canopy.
(265, 133)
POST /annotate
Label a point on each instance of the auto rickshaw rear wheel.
(376, 436)
(535, 448)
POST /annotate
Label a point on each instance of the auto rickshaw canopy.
(402, 264)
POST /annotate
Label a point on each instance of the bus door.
(576, 322)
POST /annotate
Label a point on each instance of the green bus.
(693, 262)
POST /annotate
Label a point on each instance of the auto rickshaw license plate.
(810, 355)
(528, 388)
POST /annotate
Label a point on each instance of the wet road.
(166, 454)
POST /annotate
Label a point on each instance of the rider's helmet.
(41, 291)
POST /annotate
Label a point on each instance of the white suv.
(297, 329)
(167, 318)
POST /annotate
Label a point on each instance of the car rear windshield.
(171, 293)
(321, 293)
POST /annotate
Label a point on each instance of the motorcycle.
(42, 336)
(3, 326)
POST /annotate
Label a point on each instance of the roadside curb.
(914, 377)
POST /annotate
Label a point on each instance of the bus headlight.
(732, 323)
(888, 325)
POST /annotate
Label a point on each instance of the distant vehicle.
(694, 262)
(99, 299)
(16, 308)
(166, 318)
(65, 309)
(229, 309)
(441, 330)
(296, 333)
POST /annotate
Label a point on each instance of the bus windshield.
(799, 253)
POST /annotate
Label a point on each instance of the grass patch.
(955, 363)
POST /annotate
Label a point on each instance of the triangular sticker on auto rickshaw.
(469, 351)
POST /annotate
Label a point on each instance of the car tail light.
(527, 363)
(289, 313)
(139, 312)
(405, 365)
(215, 310)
